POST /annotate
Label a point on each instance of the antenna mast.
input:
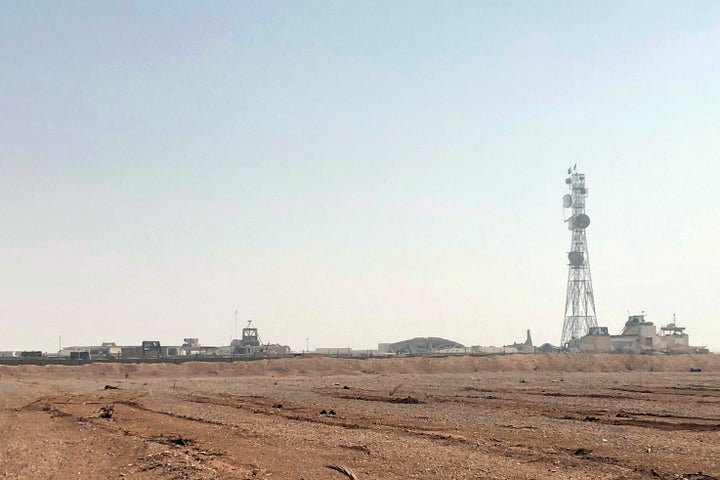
(580, 301)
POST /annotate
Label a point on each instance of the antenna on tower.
(580, 300)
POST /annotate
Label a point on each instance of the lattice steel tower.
(580, 302)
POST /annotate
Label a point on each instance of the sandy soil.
(511, 417)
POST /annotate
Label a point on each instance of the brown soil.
(511, 417)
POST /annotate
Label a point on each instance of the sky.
(353, 173)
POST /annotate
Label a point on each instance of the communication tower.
(580, 302)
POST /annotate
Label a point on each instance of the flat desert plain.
(508, 417)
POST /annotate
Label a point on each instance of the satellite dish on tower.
(581, 221)
(567, 200)
(576, 259)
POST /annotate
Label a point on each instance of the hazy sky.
(353, 172)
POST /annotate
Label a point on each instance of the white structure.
(580, 300)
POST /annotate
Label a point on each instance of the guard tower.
(250, 336)
(579, 302)
(249, 343)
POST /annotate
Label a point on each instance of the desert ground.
(509, 417)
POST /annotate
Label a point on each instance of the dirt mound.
(314, 366)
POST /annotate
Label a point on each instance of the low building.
(638, 336)
(334, 351)
(130, 352)
(487, 350)
(150, 348)
(674, 338)
(419, 346)
(31, 354)
(80, 355)
(277, 349)
(598, 340)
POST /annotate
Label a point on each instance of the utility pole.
(236, 320)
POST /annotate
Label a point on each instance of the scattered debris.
(175, 465)
(339, 468)
(395, 389)
(696, 476)
(173, 441)
(518, 427)
(106, 412)
(582, 452)
(408, 400)
(179, 441)
(54, 412)
(360, 448)
(111, 387)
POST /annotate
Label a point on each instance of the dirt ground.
(511, 417)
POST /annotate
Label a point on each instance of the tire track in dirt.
(298, 412)
(660, 421)
(665, 422)
(499, 447)
(186, 458)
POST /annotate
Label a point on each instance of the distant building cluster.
(638, 336)
(191, 347)
(249, 345)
